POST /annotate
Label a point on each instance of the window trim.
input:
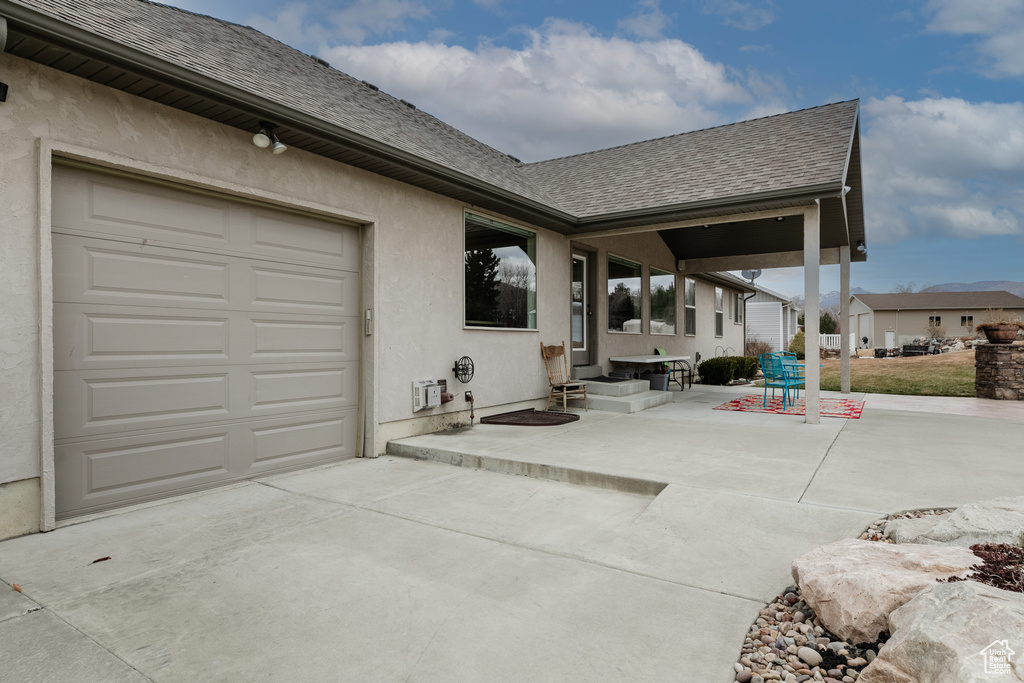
(640, 274)
(967, 321)
(737, 314)
(689, 285)
(719, 312)
(650, 296)
(498, 224)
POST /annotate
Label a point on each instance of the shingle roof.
(247, 59)
(797, 149)
(940, 300)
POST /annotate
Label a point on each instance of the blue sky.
(940, 84)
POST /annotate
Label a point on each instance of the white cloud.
(647, 22)
(943, 166)
(748, 16)
(353, 23)
(999, 25)
(565, 90)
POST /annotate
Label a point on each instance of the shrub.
(755, 347)
(716, 370)
(746, 366)
(727, 368)
(797, 345)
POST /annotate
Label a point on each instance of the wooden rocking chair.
(557, 365)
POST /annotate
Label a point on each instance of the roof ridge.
(690, 132)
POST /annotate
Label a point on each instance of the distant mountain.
(983, 286)
(831, 299)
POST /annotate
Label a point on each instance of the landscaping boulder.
(853, 585)
(996, 521)
(950, 633)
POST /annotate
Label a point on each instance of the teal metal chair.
(778, 376)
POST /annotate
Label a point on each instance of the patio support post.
(845, 328)
(812, 327)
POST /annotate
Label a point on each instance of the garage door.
(197, 340)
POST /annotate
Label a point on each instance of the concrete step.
(633, 403)
(495, 463)
(586, 371)
(632, 386)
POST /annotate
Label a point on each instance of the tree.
(516, 282)
(908, 288)
(620, 307)
(482, 287)
(828, 322)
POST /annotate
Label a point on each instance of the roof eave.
(52, 29)
(793, 196)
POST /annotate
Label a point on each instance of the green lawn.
(948, 374)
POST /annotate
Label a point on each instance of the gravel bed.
(787, 642)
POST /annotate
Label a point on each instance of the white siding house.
(771, 317)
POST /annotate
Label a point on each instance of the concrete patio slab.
(14, 604)
(41, 647)
(364, 594)
(899, 460)
(398, 569)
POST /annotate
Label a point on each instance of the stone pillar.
(999, 371)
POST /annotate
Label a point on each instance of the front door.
(580, 295)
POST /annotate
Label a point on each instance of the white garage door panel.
(89, 270)
(98, 336)
(130, 209)
(123, 470)
(197, 340)
(97, 402)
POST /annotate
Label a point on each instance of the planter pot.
(658, 381)
(1000, 334)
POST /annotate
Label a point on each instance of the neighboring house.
(892, 320)
(771, 318)
(183, 308)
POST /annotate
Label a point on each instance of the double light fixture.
(266, 137)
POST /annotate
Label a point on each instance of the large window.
(967, 321)
(690, 306)
(737, 308)
(501, 275)
(663, 302)
(719, 313)
(623, 295)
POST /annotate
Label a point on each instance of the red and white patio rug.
(830, 407)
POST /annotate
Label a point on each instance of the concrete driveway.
(397, 569)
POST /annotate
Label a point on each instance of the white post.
(844, 319)
(812, 327)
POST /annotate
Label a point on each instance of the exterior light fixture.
(779, 219)
(707, 227)
(266, 137)
(861, 247)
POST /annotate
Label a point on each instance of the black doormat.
(530, 418)
(606, 379)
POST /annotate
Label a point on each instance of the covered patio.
(776, 192)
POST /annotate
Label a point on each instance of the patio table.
(647, 360)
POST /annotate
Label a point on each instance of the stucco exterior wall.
(413, 251)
